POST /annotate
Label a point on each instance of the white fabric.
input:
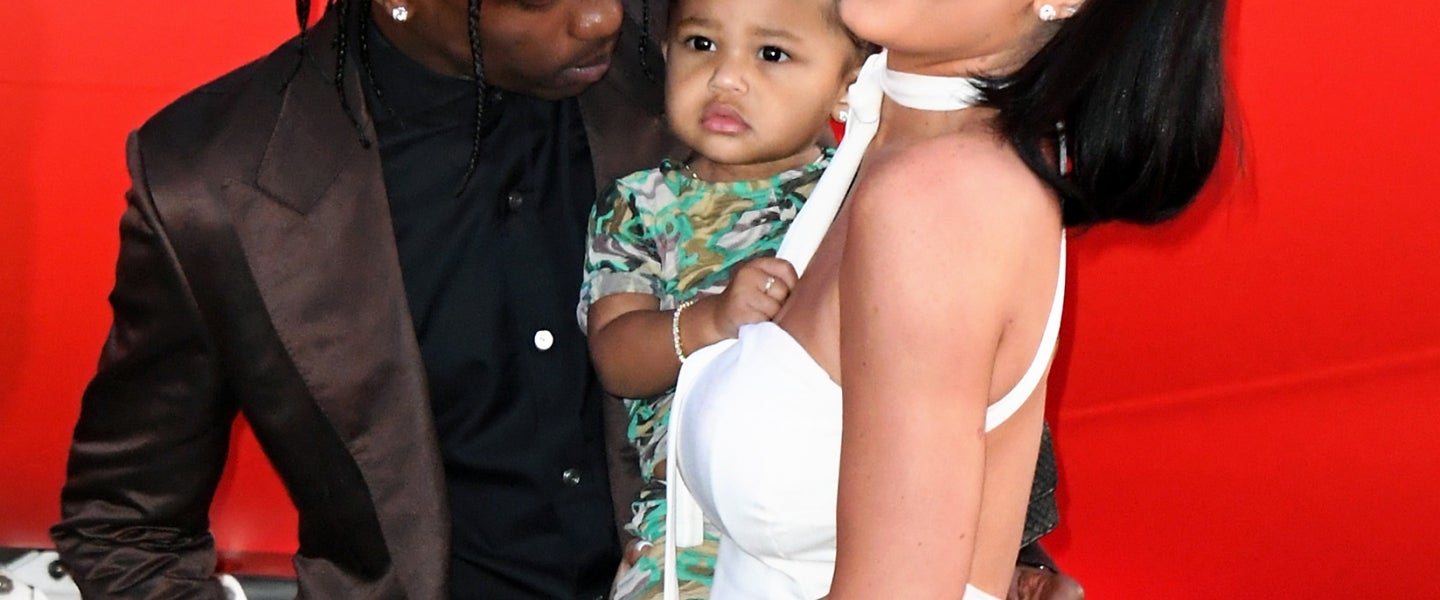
(928, 92)
(874, 84)
(974, 593)
(755, 424)
(809, 227)
(1000, 411)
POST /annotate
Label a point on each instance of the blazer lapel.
(315, 228)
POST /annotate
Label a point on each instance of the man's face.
(547, 48)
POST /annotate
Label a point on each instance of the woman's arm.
(928, 287)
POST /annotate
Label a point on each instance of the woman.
(930, 306)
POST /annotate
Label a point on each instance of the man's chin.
(558, 85)
(558, 88)
(575, 80)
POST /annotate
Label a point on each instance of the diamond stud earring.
(1048, 12)
(401, 13)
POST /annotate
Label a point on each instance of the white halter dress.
(755, 425)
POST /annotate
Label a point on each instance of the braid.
(366, 22)
(645, 40)
(302, 14)
(478, 72)
(342, 45)
(343, 34)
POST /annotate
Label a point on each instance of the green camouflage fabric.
(669, 234)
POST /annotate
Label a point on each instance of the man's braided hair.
(344, 36)
(342, 42)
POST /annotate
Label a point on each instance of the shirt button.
(571, 476)
(515, 199)
(544, 339)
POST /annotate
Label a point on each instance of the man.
(314, 248)
(369, 243)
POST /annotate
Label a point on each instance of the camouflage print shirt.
(666, 233)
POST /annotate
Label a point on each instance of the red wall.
(1245, 400)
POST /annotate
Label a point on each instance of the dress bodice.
(760, 455)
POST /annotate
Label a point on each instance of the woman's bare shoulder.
(967, 178)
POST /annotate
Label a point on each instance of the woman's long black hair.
(1139, 87)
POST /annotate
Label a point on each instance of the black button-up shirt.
(492, 274)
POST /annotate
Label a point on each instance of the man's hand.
(633, 551)
(1039, 583)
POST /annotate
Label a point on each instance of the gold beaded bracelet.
(675, 328)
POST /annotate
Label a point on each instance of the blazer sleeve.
(153, 433)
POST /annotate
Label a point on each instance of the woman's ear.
(1053, 10)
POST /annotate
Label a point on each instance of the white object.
(31, 579)
(544, 340)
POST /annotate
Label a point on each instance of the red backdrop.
(1245, 401)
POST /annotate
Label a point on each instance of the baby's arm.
(632, 341)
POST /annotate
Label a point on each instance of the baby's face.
(753, 83)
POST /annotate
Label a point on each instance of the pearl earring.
(400, 13)
(842, 116)
(1048, 12)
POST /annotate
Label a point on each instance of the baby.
(681, 256)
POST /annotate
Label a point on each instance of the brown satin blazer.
(258, 273)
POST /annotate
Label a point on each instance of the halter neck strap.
(929, 92)
(876, 81)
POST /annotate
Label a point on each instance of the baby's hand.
(755, 294)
